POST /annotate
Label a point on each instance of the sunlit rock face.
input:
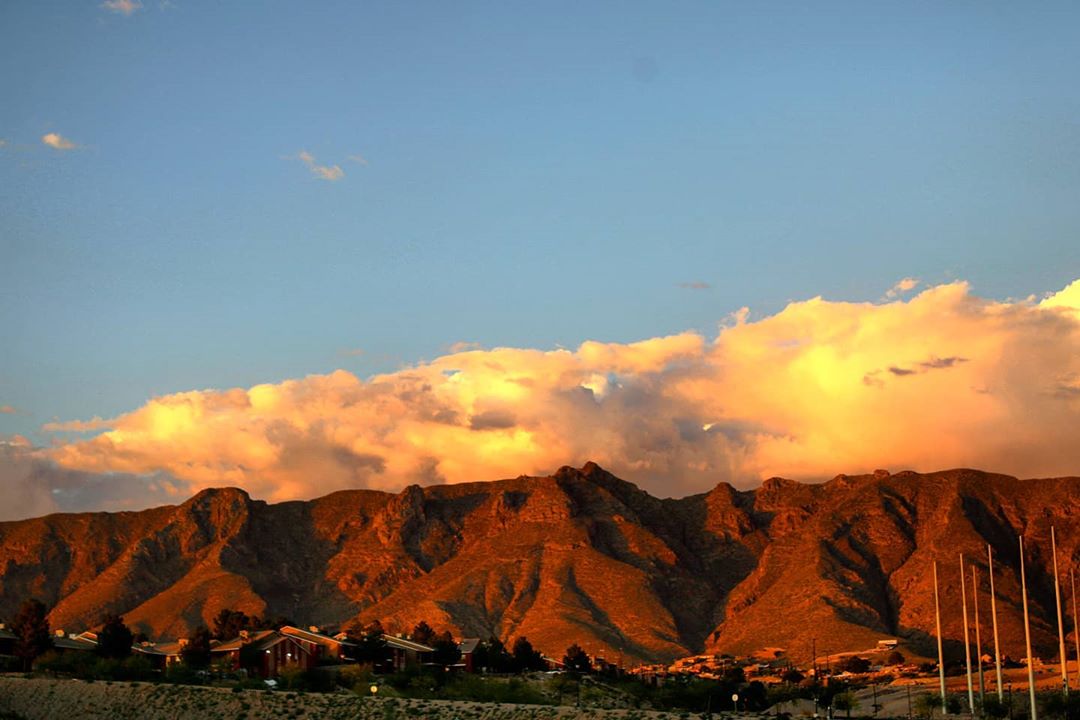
(579, 556)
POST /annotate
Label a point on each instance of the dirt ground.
(48, 699)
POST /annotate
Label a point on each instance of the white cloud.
(57, 141)
(359, 159)
(324, 172)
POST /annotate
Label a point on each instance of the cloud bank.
(943, 379)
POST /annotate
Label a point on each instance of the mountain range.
(580, 556)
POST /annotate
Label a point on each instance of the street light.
(374, 689)
(735, 701)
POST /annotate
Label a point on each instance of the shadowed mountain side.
(580, 556)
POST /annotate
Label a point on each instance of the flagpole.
(1061, 625)
(1027, 634)
(993, 613)
(967, 643)
(940, 652)
(978, 633)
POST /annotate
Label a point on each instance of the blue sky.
(536, 174)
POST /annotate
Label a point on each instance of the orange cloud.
(57, 141)
(941, 380)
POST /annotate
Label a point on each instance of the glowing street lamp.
(374, 689)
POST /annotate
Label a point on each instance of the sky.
(299, 247)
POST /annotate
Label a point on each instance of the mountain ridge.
(577, 556)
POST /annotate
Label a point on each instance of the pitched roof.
(403, 644)
(6, 634)
(240, 641)
(64, 643)
(468, 645)
(314, 636)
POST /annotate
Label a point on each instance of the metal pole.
(1061, 625)
(993, 612)
(940, 652)
(978, 633)
(1027, 635)
(967, 643)
(1076, 624)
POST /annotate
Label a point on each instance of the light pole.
(735, 701)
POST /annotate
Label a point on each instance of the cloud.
(323, 172)
(31, 484)
(7, 410)
(359, 159)
(902, 287)
(943, 379)
(697, 285)
(58, 142)
(3, 142)
(123, 7)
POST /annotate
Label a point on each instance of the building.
(327, 648)
(406, 653)
(266, 653)
(467, 647)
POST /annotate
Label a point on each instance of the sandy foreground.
(47, 699)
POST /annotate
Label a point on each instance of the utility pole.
(940, 652)
(993, 611)
(1076, 623)
(978, 633)
(1027, 635)
(967, 643)
(1061, 625)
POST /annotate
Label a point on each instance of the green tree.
(926, 703)
(196, 653)
(369, 645)
(577, 660)
(854, 664)
(894, 658)
(31, 629)
(228, 623)
(422, 633)
(115, 638)
(526, 657)
(492, 655)
(446, 650)
(792, 676)
(845, 701)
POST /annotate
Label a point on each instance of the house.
(327, 648)
(160, 655)
(64, 644)
(467, 647)
(406, 653)
(888, 644)
(266, 652)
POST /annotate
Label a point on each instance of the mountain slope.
(580, 556)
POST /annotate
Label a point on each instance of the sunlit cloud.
(696, 285)
(7, 410)
(901, 288)
(358, 159)
(123, 7)
(323, 172)
(943, 379)
(58, 142)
